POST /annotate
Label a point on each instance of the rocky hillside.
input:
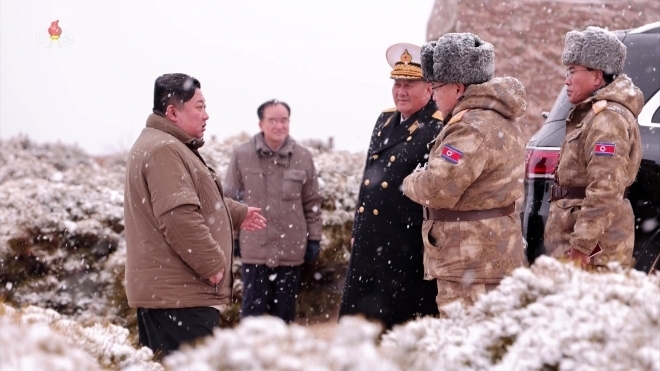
(528, 36)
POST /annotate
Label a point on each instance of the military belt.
(443, 215)
(558, 192)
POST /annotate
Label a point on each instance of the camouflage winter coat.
(477, 163)
(602, 152)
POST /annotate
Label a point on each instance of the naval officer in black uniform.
(385, 279)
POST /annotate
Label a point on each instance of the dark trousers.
(270, 291)
(164, 330)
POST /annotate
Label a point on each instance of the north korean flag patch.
(605, 149)
(451, 154)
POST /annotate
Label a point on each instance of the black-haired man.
(178, 223)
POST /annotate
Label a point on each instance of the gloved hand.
(312, 252)
(237, 249)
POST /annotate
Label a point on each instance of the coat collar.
(158, 122)
(262, 148)
(405, 129)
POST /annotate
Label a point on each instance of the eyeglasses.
(570, 72)
(437, 87)
(283, 121)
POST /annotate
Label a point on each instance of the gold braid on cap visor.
(406, 71)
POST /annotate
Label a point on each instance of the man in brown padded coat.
(178, 223)
(600, 155)
(472, 236)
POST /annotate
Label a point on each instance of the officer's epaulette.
(457, 117)
(393, 109)
(599, 106)
(438, 115)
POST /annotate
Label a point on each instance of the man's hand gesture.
(254, 221)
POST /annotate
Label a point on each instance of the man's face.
(275, 124)
(446, 96)
(581, 83)
(410, 95)
(191, 118)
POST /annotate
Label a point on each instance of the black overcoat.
(385, 279)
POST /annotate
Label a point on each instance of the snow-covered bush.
(62, 227)
(267, 343)
(550, 317)
(37, 338)
(61, 217)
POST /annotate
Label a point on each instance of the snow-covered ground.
(62, 247)
(550, 317)
(61, 223)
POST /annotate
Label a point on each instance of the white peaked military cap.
(405, 61)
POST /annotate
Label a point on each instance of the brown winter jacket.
(477, 163)
(178, 224)
(602, 152)
(284, 185)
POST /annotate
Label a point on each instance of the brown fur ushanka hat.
(595, 48)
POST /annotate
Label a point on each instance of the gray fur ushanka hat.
(595, 48)
(458, 58)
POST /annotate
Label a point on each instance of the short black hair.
(175, 89)
(272, 102)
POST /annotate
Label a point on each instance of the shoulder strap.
(457, 117)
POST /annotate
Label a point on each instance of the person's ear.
(599, 78)
(460, 89)
(170, 113)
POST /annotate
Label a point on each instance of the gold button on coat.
(366, 182)
(383, 184)
(408, 139)
(375, 211)
(392, 158)
(361, 209)
(374, 157)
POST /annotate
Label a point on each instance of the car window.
(643, 62)
(560, 109)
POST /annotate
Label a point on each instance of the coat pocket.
(573, 135)
(442, 240)
(561, 222)
(292, 183)
(432, 237)
(209, 194)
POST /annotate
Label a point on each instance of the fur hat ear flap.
(595, 48)
(426, 57)
(463, 58)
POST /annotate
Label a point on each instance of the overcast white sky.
(325, 58)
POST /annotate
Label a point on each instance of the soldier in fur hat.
(471, 232)
(591, 222)
(385, 279)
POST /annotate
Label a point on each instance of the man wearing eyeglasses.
(591, 222)
(385, 279)
(472, 235)
(274, 172)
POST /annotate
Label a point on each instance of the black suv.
(643, 67)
